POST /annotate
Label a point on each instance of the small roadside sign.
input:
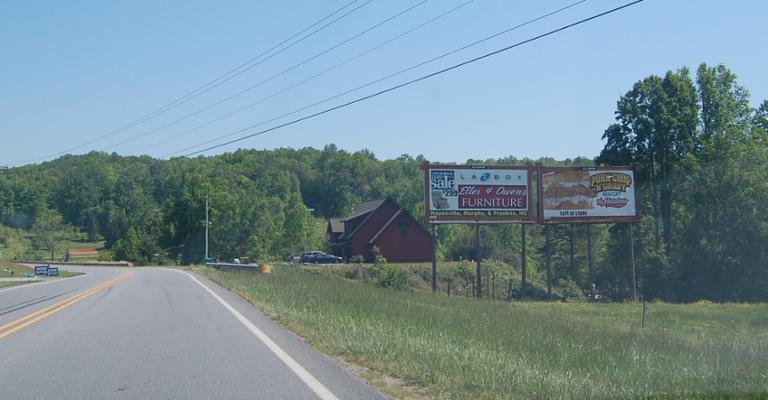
(53, 271)
(41, 270)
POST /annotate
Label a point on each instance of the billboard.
(477, 193)
(588, 194)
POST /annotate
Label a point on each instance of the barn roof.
(365, 208)
(337, 226)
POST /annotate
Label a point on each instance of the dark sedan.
(324, 259)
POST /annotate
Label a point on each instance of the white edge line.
(38, 283)
(320, 390)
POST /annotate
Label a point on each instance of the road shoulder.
(344, 381)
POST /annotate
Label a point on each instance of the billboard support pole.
(522, 263)
(632, 261)
(477, 256)
(590, 266)
(548, 257)
(572, 262)
(434, 260)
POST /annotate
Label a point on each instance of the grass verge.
(455, 348)
(13, 270)
(9, 284)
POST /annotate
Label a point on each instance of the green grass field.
(459, 348)
(19, 271)
(420, 275)
(60, 253)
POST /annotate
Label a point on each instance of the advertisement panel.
(41, 270)
(588, 194)
(480, 193)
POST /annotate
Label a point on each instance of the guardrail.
(83, 263)
(242, 267)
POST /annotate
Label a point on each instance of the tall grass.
(456, 348)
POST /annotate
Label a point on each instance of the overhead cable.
(273, 77)
(221, 79)
(411, 82)
(408, 83)
(297, 84)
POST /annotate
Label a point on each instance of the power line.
(392, 75)
(315, 76)
(221, 79)
(277, 75)
(411, 82)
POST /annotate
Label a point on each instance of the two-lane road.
(152, 333)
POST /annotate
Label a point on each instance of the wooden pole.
(573, 264)
(522, 264)
(590, 265)
(477, 256)
(434, 261)
(548, 256)
(632, 261)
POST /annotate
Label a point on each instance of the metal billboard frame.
(531, 218)
(585, 220)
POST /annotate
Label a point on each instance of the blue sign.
(53, 271)
(41, 270)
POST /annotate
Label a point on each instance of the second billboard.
(589, 194)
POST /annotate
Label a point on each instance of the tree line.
(698, 146)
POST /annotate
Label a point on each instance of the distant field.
(60, 253)
(458, 348)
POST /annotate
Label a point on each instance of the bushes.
(393, 277)
(380, 273)
(389, 276)
(136, 246)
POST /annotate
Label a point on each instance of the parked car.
(294, 258)
(324, 259)
(307, 255)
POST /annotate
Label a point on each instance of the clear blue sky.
(74, 70)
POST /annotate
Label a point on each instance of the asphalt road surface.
(153, 333)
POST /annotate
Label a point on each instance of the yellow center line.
(36, 316)
(59, 304)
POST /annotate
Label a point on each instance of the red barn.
(384, 224)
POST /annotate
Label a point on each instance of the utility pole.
(206, 228)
